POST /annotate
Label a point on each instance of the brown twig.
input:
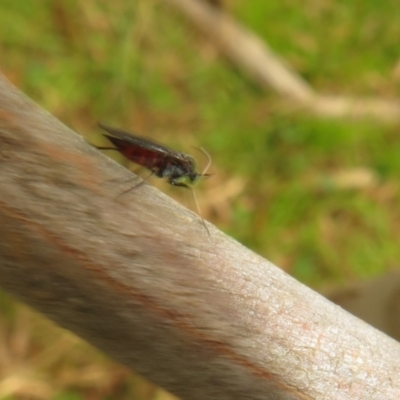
(253, 56)
(140, 279)
(245, 50)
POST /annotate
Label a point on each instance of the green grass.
(353, 42)
(142, 66)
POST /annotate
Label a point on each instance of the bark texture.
(138, 277)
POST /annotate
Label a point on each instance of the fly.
(179, 169)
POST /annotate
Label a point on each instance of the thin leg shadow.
(142, 182)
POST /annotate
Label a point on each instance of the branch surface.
(138, 277)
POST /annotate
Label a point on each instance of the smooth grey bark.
(138, 277)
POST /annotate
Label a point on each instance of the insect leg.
(198, 210)
(105, 148)
(137, 185)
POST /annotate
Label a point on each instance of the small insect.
(178, 168)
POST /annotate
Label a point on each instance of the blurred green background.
(318, 197)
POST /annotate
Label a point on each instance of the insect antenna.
(204, 173)
(209, 161)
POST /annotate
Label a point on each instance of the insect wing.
(136, 140)
(141, 150)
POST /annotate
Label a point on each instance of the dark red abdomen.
(147, 158)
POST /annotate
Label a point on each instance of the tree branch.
(139, 278)
(253, 56)
(246, 50)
